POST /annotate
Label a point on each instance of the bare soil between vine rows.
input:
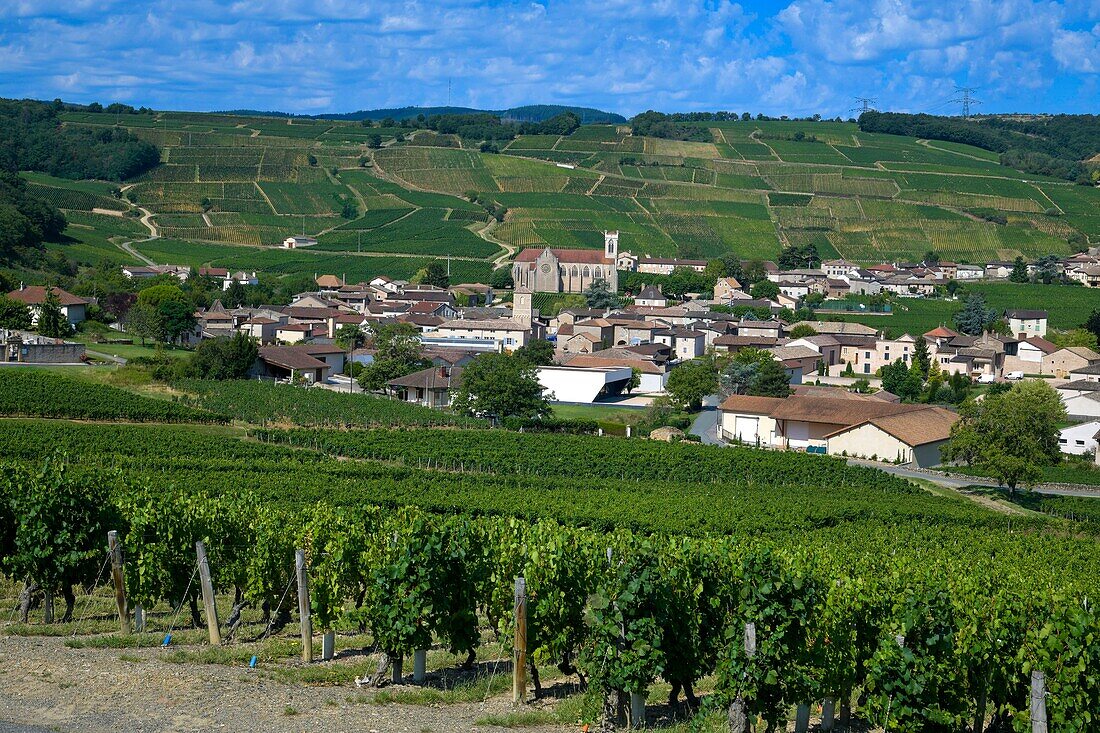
(46, 686)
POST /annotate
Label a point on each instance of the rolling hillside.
(752, 188)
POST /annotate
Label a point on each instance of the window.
(867, 355)
(1063, 441)
(866, 368)
(1080, 442)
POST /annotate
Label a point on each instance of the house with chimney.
(73, 307)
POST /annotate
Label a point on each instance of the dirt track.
(46, 686)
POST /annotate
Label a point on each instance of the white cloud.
(1078, 51)
(301, 55)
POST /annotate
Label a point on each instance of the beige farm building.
(860, 426)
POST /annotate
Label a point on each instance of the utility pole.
(866, 104)
(965, 99)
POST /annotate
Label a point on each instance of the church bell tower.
(611, 245)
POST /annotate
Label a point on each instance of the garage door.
(747, 429)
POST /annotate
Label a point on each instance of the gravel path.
(46, 686)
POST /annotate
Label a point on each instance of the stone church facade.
(550, 270)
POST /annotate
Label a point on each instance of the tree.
(350, 337)
(931, 257)
(154, 295)
(501, 278)
(975, 317)
(1019, 271)
(921, 356)
(731, 267)
(934, 384)
(235, 295)
(802, 330)
(374, 141)
(501, 385)
(1011, 435)
(397, 352)
(1048, 269)
(175, 319)
(771, 380)
(538, 352)
(691, 381)
(436, 275)
(224, 358)
(598, 295)
(900, 379)
(764, 290)
(635, 380)
(14, 314)
(952, 287)
(52, 322)
(1092, 323)
(754, 272)
(795, 257)
(1074, 337)
(143, 321)
(737, 376)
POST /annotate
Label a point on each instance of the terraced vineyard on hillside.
(240, 185)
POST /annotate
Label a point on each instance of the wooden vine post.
(116, 576)
(1038, 702)
(738, 711)
(208, 601)
(303, 605)
(519, 647)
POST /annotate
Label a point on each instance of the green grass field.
(751, 189)
(1068, 307)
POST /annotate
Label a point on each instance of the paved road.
(706, 423)
(961, 482)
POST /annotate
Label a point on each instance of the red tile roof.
(36, 295)
(580, 256)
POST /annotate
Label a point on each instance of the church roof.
(569, 256)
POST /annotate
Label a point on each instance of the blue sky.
(797, 57)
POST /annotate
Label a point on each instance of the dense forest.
(1054, 145)
(25, 221)
(487, 126)
(672, 127)
(33, 138)
(527, 113)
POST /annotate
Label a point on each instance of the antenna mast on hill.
(866, 104)
(966, 100)
(448, 91)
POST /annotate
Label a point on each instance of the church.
(567, 270)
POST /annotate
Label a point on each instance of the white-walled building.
(582, 384)
(1026, 323)
(510, 334)
(1079, 439)
(73, 307)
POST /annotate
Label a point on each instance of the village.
(624, 352)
